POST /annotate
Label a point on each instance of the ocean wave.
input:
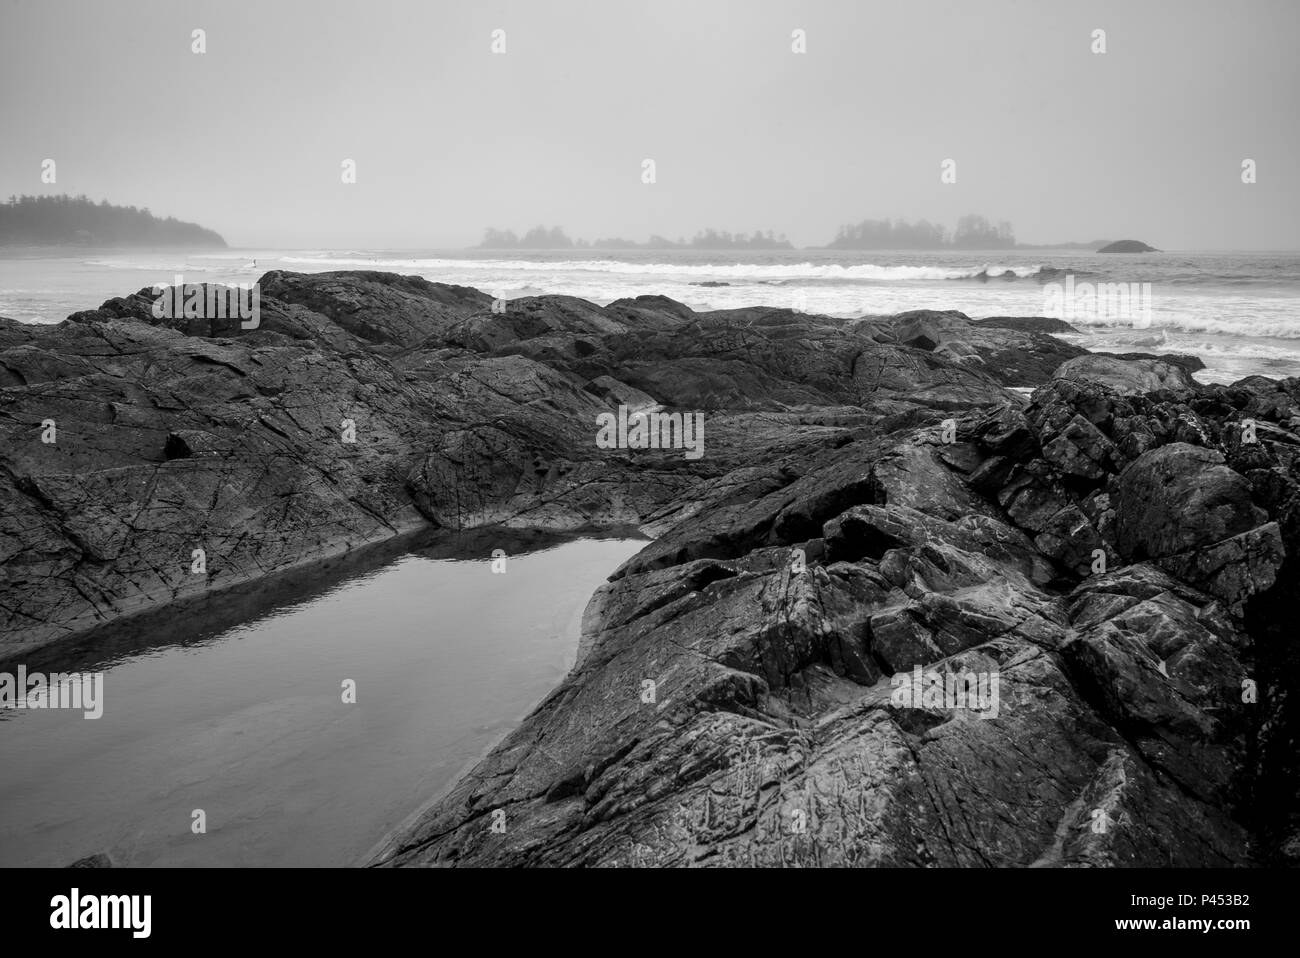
(154, 267)
(774, 273)
(1234, 321)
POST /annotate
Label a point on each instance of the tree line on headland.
(539, 237)
(79, 221)
(973, 232)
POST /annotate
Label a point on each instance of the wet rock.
(1015, 352)
(366, 404)
(1235, 568)
(1109, 563)
(1122, 737)
(1166, 667)
(1126, 377)
(1028, 324)
(1186, 361)
(615, 393)
(383, 310)
(98, 860)
(1180, 497)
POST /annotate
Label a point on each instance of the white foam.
(783, 271)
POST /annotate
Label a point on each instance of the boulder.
(1126, 376)
(1178, 498)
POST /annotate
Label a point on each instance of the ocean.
(1238, 312)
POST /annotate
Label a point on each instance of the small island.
(1128, 246)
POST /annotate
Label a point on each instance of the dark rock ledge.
(1113, 550)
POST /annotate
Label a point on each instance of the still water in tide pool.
(249, 724)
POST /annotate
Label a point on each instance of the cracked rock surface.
(1127, 606)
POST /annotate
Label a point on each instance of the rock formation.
(874, 502)
(168, 436)
(1114, 559)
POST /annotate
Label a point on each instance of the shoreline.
(219, 608)
(1235, 312)
(142, 604)
(46, 476)
(938, 515)
(146, 607)
(238, 601)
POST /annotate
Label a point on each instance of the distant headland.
(78, 221)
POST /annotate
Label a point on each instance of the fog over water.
(1145, 140)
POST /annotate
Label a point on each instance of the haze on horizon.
(1145, 141)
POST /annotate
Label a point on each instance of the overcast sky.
(1144, 141)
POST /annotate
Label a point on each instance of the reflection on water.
(235, 707)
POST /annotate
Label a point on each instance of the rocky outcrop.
(182, 455)
(1028, 324)
(1110, 557)
(1180, 505)
(894, 615)
(1015, 352)
(1126, 376)
(1187, 361)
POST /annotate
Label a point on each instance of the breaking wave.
(783, 272)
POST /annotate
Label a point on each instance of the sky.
(1144, 141)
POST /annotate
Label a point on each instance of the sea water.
(1239, 312)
